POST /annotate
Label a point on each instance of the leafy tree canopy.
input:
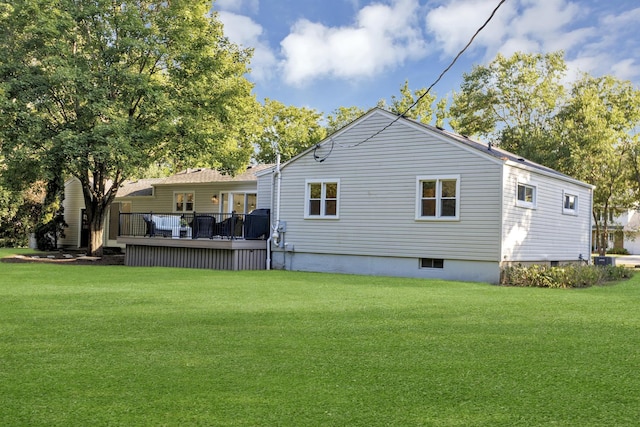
(341, 117)
(422, 111)
(100, 90)
(511, 102)
(288, 129)
(597, 132)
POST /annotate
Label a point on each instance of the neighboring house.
(390, 196)
(201, 191)
(623, 227)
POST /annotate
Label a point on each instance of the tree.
(288, 129)
(422, 111)
(512, 102)
(101, 90)
(341, 117)
(598, 128)
(20, 212)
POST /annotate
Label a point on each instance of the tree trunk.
(95, 216)
(603, 243)
(96, 236)
(98, 198)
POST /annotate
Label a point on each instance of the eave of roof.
(137, 188)
(490, 150)
(205, 176)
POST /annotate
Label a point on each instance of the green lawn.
(113, 345)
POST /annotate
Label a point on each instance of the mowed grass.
(114, 345)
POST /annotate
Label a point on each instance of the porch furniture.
(164, 225)
(256, 224)
(203, 226)
(230, 227)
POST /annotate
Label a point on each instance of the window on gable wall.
(322, 199)
(438, 197)
(526, 195)
(570, 204)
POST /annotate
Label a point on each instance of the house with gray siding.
(390, 196)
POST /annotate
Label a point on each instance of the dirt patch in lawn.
(67, 258)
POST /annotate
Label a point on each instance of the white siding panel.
(378, 197)
(264, 191)
(73, 204)
(544, 233)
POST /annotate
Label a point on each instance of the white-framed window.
(569, 203)
(526, 195)
(438, 197)
(240, 203)
(183, 201)
(322, 198)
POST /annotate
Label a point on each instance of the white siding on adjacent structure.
(73, 204)
(545, 232)
(377, 200)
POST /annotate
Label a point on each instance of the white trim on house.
(530, 192)
(185, 195)
(571, 199)
(550, 174)
(437, 198)
(323, 200)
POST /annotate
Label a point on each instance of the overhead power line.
(403, 114)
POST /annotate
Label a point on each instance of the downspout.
(275, 235)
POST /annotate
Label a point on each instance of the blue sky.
(324, 54)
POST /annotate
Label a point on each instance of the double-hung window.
(183, 201)
(322, 198)
(438, 197)
(526, 195)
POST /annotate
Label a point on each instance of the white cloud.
(382, 36)
(626, 69)
(385, 34)
(453, 24)
(526, 25)
(593, 43)
(243, 31)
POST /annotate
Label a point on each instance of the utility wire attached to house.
(403, 114)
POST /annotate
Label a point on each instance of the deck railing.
(195, 225)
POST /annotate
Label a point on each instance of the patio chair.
(203, 226)
(230, 227)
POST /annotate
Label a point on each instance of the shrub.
(618, 251)
(47, 234)
(567, 276)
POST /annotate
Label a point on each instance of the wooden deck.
(216, 254)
